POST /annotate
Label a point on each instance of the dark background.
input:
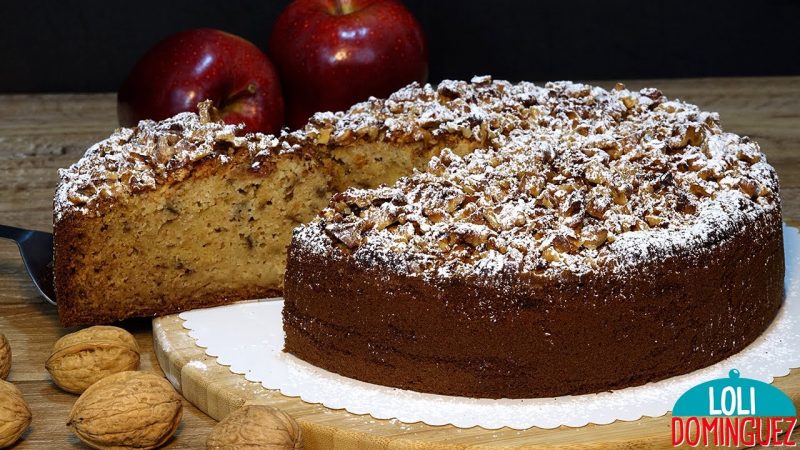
(52, 46)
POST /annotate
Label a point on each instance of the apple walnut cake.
(478, 238)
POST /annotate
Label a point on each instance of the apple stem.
(339, 8)
(248, 91)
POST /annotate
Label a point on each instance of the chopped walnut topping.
(565, 176)
(593, 168)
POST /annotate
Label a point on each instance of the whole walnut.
(5, 357)
(127, 410)
(256, 427)
(82, 358)
(15, 415)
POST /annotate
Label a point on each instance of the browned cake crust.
(544, 337)
(622, 239)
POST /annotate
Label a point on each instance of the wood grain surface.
(41, 133)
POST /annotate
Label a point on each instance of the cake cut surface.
(186, 212)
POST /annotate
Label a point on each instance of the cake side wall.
(216, 237)
(369, 164)
(539, 336)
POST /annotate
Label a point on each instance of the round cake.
(482, 238)
(595, 240)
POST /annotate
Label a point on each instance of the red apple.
(334, 53)
(189, 67)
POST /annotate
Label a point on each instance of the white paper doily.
(248, 337)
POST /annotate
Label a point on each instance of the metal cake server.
(36, 248)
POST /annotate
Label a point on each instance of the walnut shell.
(82, 358)
(15, 415)
(256, 427)
(5, 357)
(127, 410)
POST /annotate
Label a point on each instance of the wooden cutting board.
(217, 391)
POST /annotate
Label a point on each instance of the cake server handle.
(36, 249)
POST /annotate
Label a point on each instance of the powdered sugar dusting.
(140, 159)
(586, 178)
(568, 176)
(421, 113)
